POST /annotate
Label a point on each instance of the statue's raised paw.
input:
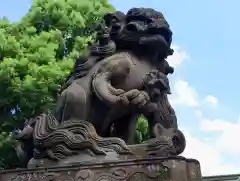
(138, 98)
(122, 100)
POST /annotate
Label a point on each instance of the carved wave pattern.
(57, 141)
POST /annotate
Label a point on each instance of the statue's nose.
(169, 70)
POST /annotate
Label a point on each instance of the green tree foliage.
(36, 55)
(142, 133)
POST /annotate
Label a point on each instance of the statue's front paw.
(138, 98)
(141, 100)
(122, 100)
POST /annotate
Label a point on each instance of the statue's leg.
(153, 118)
(72, 104)
(125, 128)
(151, 123)
(156, 118)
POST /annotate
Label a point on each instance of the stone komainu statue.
(123, 76)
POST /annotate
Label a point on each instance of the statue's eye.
(149, 20)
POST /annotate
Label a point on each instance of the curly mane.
(57, 141)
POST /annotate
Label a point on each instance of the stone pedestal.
(151, 169)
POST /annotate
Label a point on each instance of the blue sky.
(205, 88)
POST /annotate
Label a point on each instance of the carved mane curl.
(57, 141)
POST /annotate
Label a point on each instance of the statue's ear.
(120, 16)
(109, 17)
(179, 142)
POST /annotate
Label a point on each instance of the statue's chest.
(137, 73)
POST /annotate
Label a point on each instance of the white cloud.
(183, 94)
(228, 132)
(198, 113)
(186, 95)
(210, 149)
(215, 125)
(178, 56)
(211, 99)
(209, 156)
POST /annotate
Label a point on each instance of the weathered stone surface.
(154, 169)
(124, 76)
(91, 135)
